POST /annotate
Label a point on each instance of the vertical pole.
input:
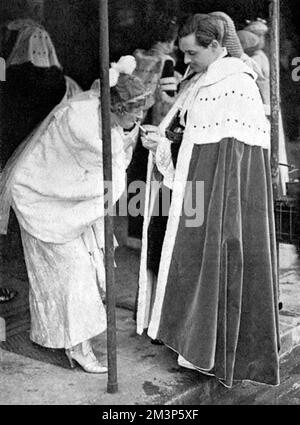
(275, 108)
(275, 92)
(112, 385)
(2, 85)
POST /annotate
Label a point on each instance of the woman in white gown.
(54, 183)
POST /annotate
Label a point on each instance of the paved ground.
(290, 296)
(287, 393)
(147, 374)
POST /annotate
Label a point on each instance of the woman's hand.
(150, 137)
(131, 138)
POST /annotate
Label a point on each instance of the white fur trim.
(231, 108)
(181, 174)
(145, 287)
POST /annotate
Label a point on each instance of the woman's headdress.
(162, 27)
(127, 90)
(20, 24)
(125, 65)
(258, 27)
(230, 39)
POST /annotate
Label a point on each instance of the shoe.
(87, 361)
(7, 294)
(156, 342)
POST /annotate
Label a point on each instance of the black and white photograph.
(149, 205)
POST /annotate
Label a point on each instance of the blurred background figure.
(253, 39)
(260, 29)
(238, 45)
(250, 43)
(156, 68)
(35, 82)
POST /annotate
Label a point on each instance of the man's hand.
(150, 137)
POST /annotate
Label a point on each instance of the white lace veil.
(35, 45)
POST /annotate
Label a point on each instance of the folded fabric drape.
(222, 279)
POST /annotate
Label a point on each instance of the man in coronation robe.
(213, 299)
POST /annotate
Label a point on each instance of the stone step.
(2, 329)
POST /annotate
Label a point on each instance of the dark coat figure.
(29, 94)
